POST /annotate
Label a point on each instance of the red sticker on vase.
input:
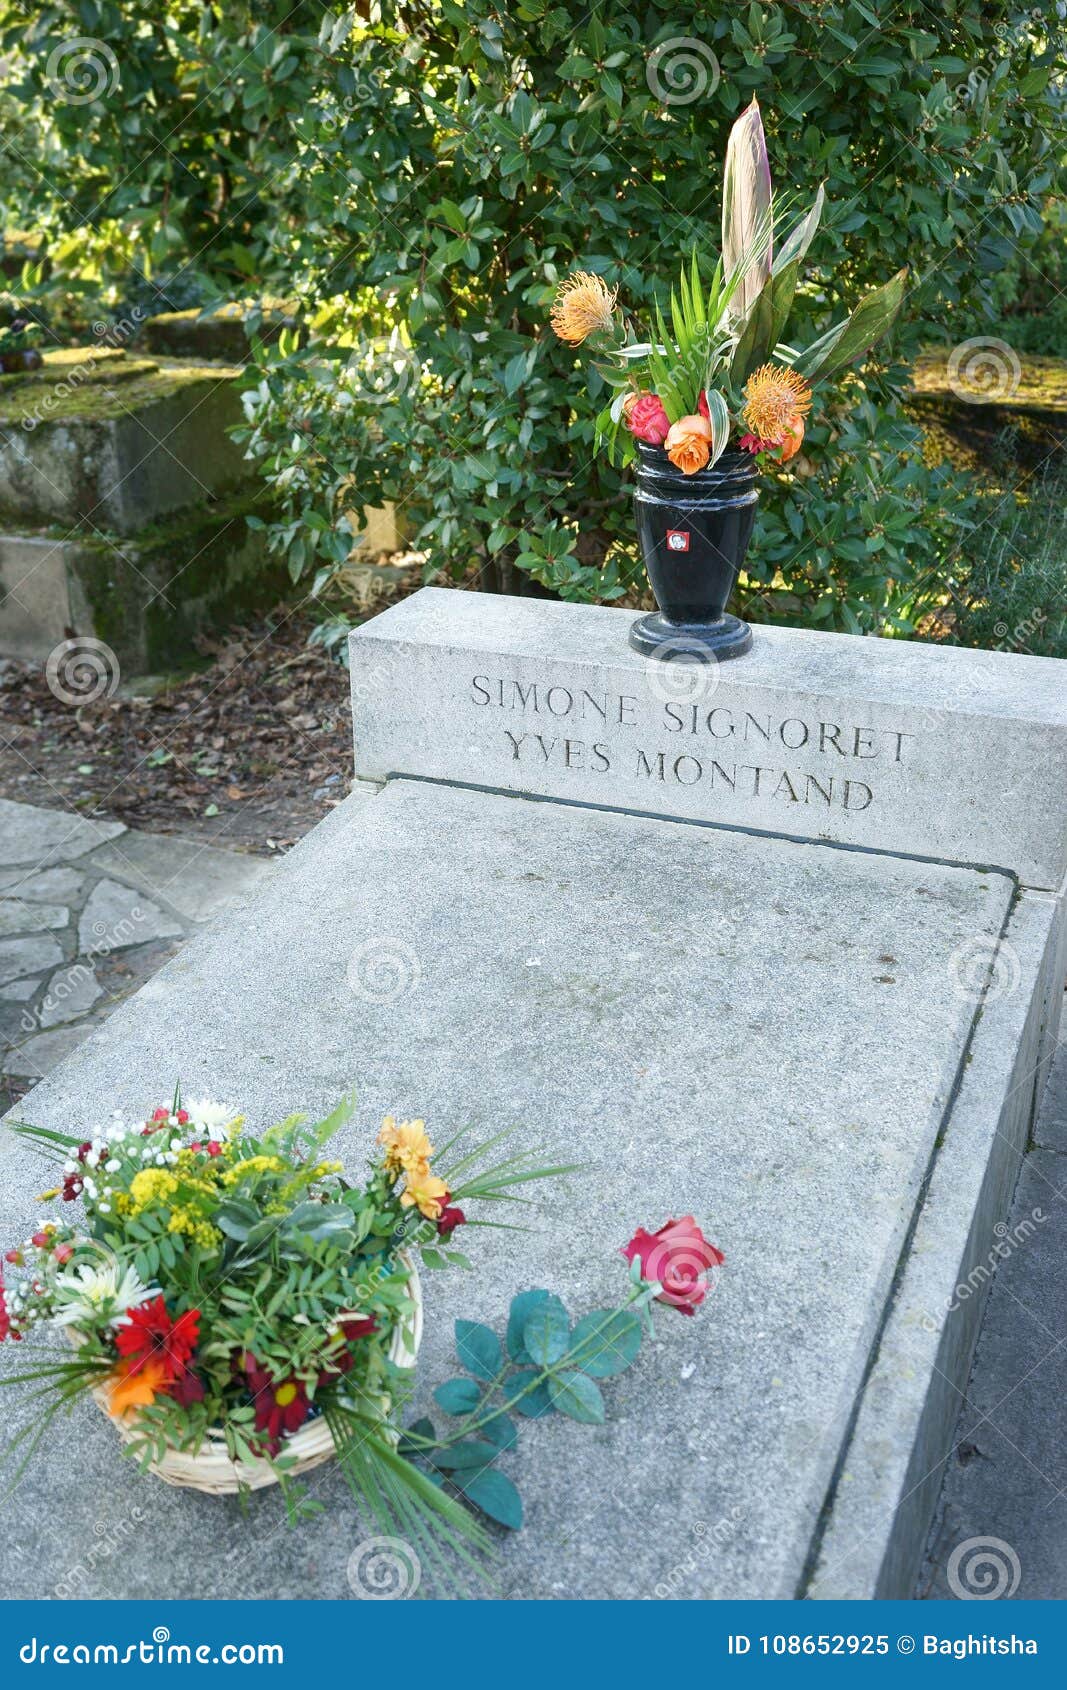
(677, 539)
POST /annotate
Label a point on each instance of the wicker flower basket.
(211, 1468)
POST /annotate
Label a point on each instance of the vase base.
(656, 636)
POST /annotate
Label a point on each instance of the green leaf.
(576, 1395)
(843, 344)
(534, 1402)
(495, 1495)
(798, 240)
(501, 1431)
(472, 1452)
(458, 1396)
(520, 1308)
(545, 1332)
(605, 1342)
(719, 416)
(478, 1349)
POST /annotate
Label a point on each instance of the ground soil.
(249, 752)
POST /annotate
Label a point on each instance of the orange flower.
(793, 437)
(424, 1191)
(776, 399)
(583, 305)
(688, 443)
(136, 1389)
(406, 1145)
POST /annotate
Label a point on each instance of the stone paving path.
(88, 911)
(1002, 1520)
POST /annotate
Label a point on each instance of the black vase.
(694, 532)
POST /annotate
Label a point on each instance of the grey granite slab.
(761, 1032)
(888, 744)
(116, 916)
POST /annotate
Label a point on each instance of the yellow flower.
(254, 1165)
(583, 305)
(200, 1231)
(424, 1191)
(151, 1185)
(406, 1145)
(776, 399)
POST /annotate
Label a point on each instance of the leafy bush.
(435, 170)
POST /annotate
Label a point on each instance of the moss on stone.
(78, 385)
(150, 595)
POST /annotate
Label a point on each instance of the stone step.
(783, 1038)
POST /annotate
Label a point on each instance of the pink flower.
(679, 1258)
(752, 443)
(646, 419)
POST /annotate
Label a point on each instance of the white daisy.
(211, 1119)
(99, 1294)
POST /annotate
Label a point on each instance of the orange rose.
(688, 444)
(792, 438)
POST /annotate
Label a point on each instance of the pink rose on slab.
(679, 1258)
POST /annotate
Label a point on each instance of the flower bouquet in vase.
(711, 394)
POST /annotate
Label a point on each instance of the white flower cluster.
(123, 1142)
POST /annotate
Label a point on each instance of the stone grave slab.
(888, 745)
(766, 1032)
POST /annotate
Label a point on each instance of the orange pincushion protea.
(583, 305)
(776, 400)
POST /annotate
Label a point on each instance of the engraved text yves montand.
(750, 753)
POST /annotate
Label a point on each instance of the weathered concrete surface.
(1006, 1479)
(889, 744)
(764, 1032)
(887, 1489)
(40, 594)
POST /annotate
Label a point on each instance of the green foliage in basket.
(216, 1283)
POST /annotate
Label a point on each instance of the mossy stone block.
(101, 441)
